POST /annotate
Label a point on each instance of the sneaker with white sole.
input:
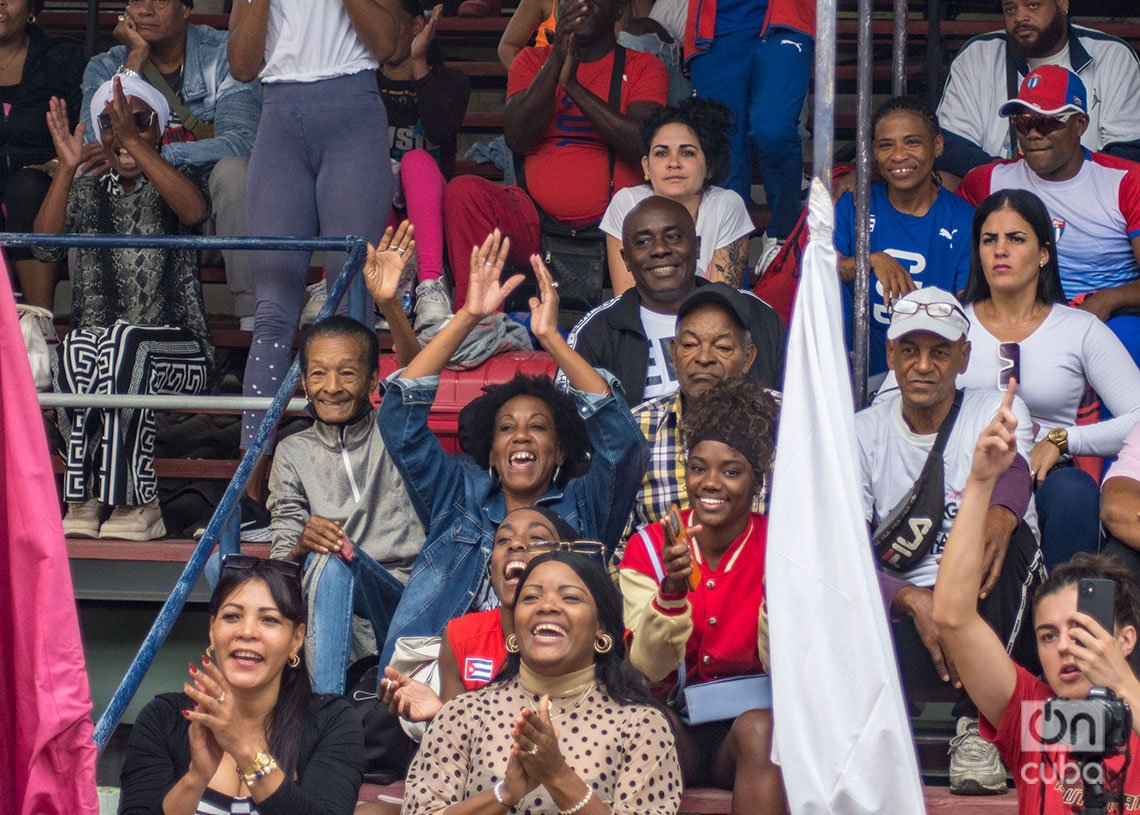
(315, 296)
(433, 306)
(141, 522)
(82, 519)
(769, 248)
(975, 767)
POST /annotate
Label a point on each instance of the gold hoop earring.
(210, 651)
(513, 644)
(647, 176)
(604, 644)
(294, 661)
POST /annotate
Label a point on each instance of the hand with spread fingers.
(123, 123)
(408, 698)
(536, 743)
(68, 143)
(544, 307)
(386, 262)
(215, 710)
(485, 293)
(205, 752)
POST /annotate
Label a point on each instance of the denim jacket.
(461, 506)
(209, 91)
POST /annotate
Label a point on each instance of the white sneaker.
(975, 767)
(432, 304)
(769, 248)
(315, 296)
(82, 519)
(142, 522)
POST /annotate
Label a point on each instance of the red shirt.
(477, 640)
(725, 605)
(567, 171)
(1052, 772)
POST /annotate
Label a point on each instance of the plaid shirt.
(659, 419)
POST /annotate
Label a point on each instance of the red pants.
(472, 208)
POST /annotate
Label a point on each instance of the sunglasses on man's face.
(239, 562)
(143, 120)
(1025, 122)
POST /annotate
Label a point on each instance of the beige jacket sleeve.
(660, 627)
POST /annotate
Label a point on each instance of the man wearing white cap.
(915, 450)
(1092, 198)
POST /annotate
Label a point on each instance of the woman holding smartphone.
(1076, 651)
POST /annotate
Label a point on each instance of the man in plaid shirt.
(711, 345)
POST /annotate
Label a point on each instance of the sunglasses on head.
(240, 563)
(593, 548)
(143, 120)
(1025, 122)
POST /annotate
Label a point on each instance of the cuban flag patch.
(1058, 229)
(478, 669)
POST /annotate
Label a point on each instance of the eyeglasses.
(156, 3)
(593, 548)
(240, 563)
(1010, 355)
(1024, 122)
(908, 308)
(143, 120)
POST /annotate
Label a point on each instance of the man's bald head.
(660, 248)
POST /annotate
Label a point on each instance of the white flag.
(841, 733)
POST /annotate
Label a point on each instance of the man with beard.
(989, 67)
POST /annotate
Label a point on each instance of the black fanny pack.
(903, 538)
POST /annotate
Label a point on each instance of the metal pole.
(864, 91)
(179, 242)
(823, 127)
(165, 402)
(898, 50)
(933, 51)
(227, 508)
(92, 26)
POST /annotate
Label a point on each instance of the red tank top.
(477, 640)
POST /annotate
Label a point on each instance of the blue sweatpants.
(319, 168)
(764, 80)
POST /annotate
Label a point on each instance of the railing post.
(864, 89)
(933, 51)
(898, 49)
(823, 127)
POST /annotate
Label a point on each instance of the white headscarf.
(132, 86)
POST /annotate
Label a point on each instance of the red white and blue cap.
(1049, 91)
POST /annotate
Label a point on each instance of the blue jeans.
(1068, 513)
(764, 80)
(336, 590)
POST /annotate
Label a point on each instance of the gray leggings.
(319, 168)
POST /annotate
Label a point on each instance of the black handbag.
(576, 255)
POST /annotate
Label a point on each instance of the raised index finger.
(1010, 392)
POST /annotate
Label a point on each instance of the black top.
(329, 766)
(425, 114)
(54, 67)
(612, 337)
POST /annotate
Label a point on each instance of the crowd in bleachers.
(539, 609)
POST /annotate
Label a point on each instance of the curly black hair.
(710, 120)
(477, 422)
(908, 104)
(739, 408)
(622, 683)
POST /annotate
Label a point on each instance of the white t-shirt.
(660, 378)
(1069, 348)
(721, 219)
(892, 456)
(309, 40)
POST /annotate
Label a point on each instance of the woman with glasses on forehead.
(566, 727)
(695, 601)
(138, 324)
(1020, 327)
(246, 734)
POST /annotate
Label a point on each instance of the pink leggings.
(423, 186)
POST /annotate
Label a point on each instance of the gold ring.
(122, 17)
(488, 263)
(222, 698)
(533, 749)
(401, 250)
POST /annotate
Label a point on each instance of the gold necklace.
(23, 45)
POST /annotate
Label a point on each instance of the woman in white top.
(319, 164)
(686, 153)
(1021, 328)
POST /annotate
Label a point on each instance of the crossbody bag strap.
(614, 101)
(659, 570)
(201, 130)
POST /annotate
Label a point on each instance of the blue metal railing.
(223, 528)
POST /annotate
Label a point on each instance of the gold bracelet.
(263, 764)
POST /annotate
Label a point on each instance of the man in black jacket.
(630, 335)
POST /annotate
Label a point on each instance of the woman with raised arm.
(319, 165)
(246, 734)
(578, 453)
(1076, 652)
(566, 728)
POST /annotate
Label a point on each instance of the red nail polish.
(193, 669)
(205, 660)
(186, 714)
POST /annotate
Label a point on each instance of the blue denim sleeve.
(236, 114)
(605, 494)
(434, 479)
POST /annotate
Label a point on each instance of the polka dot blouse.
(624, 752)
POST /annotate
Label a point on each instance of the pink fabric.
(47, 756)
(423, 190)
(1127, 464)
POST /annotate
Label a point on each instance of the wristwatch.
(1059, 437)
(263, 764)
(125, 71)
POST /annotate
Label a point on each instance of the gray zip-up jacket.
(344, 474)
